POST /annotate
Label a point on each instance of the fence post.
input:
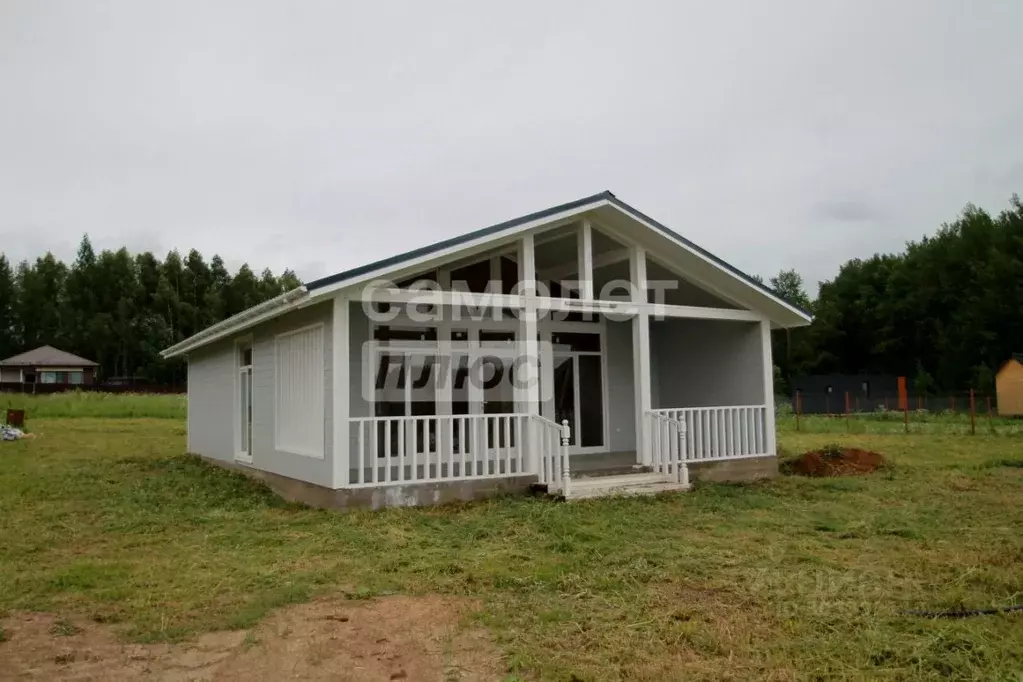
(990, 422)
(886, 402)
(799, 407)
(848, 424)
(905, 416)
(973, 420)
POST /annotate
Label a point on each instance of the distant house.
(1009, 386)
(47, 365)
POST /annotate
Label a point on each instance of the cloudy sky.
(320, 135)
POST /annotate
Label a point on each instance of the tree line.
(946, 312)
(121, 310)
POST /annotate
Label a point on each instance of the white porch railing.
(552, 441)
(727, 432)
(667, 446)
(453, 447)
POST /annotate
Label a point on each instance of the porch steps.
(622, 484)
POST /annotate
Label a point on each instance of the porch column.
(529, 394)
(769, 424)
(640, 352)
(340, 397)
(584, 242)
(528, 389)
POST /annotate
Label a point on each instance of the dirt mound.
(835, 461)
(394, 638)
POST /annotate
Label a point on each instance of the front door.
(578, 388)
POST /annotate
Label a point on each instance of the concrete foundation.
(393, 495)
(734, 470)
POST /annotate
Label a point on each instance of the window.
(299, 403)
(243, 405)
(76, 377)
(47, 377)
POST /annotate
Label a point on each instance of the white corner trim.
(340, 396)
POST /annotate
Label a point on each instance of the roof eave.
(237, 323)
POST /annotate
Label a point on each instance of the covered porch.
(427, 418)
(553, 355)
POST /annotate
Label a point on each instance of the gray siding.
(359, 330)
(264, 455)
(10, 374)
(211, 413)
(621, 402)
(702, 363)
(211, 400)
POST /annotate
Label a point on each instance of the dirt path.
(393, 638)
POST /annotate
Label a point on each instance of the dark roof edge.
(453, 241)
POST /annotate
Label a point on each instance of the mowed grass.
(788, 579)
(95, 404)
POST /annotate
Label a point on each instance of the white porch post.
(585, 257)
(769, 423)
(528, 325)
(340, 370)
(640, 352)
(529, 391)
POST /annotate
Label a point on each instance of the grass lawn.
(96, 404)
(788, 579)
(893, 422)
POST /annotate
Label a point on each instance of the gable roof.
(493, 230)
(47, 356)
(1013, 357)
(604, 205)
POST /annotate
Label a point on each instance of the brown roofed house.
(1009, 386)
(47, 365)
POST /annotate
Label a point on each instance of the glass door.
(578, 388)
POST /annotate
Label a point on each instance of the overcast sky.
(318, 136)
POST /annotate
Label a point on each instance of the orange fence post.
(973, 420)
(952, 400)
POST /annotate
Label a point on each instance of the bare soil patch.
(392, 638)
(835, 461)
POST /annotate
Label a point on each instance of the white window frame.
(290, 449)
(243, 456)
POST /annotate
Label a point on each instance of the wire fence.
(966, 413)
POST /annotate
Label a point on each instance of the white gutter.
(246, 318)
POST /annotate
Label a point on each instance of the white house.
(580, 340)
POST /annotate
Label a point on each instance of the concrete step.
(623, 484)
(622, 470)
